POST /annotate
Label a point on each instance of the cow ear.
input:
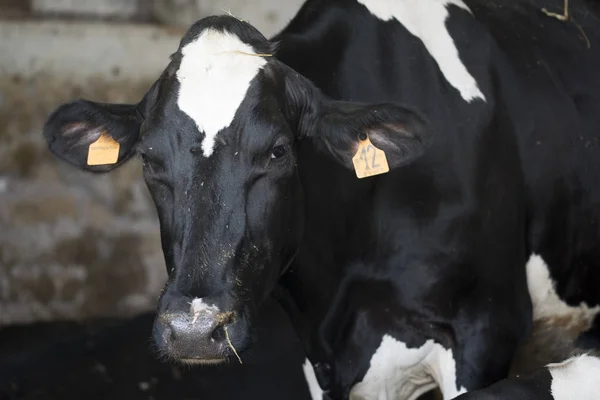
(73, 127)
(339, 126)
(399, 132)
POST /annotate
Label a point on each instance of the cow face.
(217, 135)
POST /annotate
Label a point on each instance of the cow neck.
(336, 219)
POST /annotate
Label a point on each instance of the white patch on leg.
(426, 19)
(576, 378)
(214, 77)
(316, 393)
(397, 372)
(546, 303)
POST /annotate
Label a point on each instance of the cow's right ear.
(73, 127)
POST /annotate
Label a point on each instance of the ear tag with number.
(369, 160)
(103, 151)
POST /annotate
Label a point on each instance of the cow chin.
(203, 339)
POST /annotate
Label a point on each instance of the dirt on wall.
(72, 244)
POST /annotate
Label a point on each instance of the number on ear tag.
(103, 151)
(369, 160)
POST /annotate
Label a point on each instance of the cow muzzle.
(201, 335)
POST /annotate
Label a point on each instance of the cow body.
(461, 221)
(575, 378)
(396, 283)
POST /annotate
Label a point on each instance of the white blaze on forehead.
(399, 372)
(214, 77)
(576, 378)
(426, 19)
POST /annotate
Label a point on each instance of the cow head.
(217, 135)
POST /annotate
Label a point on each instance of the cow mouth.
(200, 361)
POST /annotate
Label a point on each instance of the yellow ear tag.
(103, 151)
(369, 160)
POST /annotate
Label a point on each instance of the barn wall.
(74, 245)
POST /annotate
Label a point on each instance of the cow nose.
(198, 335)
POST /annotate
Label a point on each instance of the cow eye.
(278, 151)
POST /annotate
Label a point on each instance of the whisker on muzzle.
(231, 344)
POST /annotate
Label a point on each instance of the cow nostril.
(172, 332)
(163, 332)
(218, 334)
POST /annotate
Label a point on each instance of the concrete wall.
(72, 244)
(268, 16)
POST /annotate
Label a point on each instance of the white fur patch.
(397, 372)
(316, 393)
(546, 303)
(214, 77)
(198, 305)
(576, 378)
(426, 19)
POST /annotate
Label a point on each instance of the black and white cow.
(487, 112)
(572, 379)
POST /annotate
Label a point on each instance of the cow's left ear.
(399, 132)
(338, 126)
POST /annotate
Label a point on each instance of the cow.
(398, 174)
(574, 378)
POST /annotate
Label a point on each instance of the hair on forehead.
(227, 23)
